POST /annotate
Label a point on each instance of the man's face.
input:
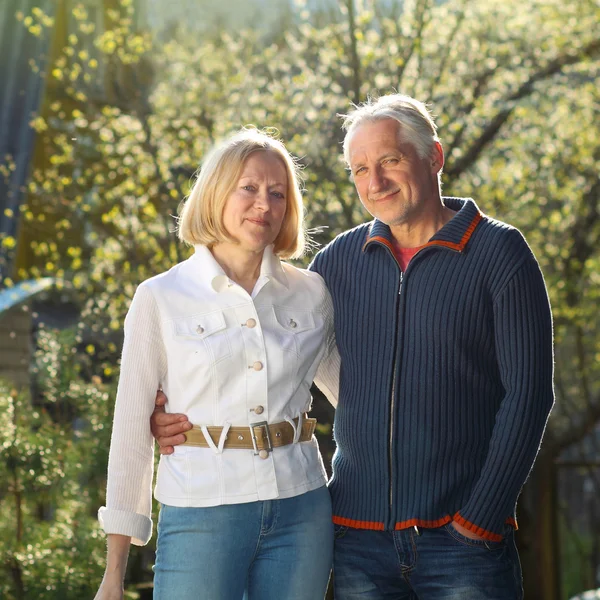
(394, 184)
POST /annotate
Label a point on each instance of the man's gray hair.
(416, 122)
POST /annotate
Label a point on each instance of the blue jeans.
(431, 564)
(257, 551)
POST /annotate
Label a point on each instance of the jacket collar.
(455, 234)
(211, 272)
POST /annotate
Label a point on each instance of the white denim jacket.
(222, 357)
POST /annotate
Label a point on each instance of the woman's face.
(254, 212)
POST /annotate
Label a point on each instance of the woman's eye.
(278, 195)
(248, 188)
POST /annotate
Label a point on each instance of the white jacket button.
(259, 410)
(257, 366)
(251, 323)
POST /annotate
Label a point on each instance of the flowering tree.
(126, 121)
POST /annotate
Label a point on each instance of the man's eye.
(360, 170)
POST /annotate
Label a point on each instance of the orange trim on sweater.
(378, 238)
(460, 246)
(378, 526)
(359, 524)
(465, 238)
(484, 533)
(422, 523)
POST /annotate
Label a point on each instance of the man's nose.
(377, 181)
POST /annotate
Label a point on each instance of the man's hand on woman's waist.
(167, 428)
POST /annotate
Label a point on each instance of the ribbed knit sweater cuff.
(121, 522)
(488, 534)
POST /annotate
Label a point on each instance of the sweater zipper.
(393, 392)
(392, 404)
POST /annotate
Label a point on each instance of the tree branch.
(354, 59)
(456, 168)
(446, 56)
(415, 39)
(586, 422)
(480, 86)
(583, 247)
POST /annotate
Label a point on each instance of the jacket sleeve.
(131, 459)
(523, 338)
(327, 378)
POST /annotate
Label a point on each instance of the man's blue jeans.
(428, 564)
(271, 550)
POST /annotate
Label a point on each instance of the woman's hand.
(111, 588)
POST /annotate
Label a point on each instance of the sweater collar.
(454, 235)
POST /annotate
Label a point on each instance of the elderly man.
(444, 333)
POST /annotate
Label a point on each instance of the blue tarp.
(22, 291)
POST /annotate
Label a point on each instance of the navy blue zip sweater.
(446, 374)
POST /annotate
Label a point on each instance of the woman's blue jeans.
(271, 550)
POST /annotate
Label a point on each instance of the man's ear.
(437, 157)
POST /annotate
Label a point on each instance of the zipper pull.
(401, 279)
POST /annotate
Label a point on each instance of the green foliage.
(52, 473)
(576, 550)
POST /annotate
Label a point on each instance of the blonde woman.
(234, 337)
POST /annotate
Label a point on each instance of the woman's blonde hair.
(201, 216)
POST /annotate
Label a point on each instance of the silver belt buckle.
(264, 424)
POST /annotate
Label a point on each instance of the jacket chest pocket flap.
(205, 333)
(292, 322)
